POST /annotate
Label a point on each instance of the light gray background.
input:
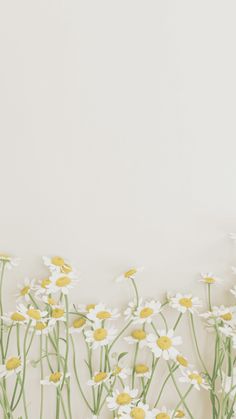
(118, 140)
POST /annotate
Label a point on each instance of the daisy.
(61, 283)
(209, 278)
(85, 308)
(226, 330)
(99, 378)
(142, 370)
(101, 313)
(140, 411)
(14, 317)
(180, 414)
(195, 379)
(137, 336)
(184, 303)
(31, 313)
(164, 344)
(42, 286)
(24, 289)
(162, 413)
(121, 400)
(12, 366)
(100, 336)
(121, 372)
(9, 261)
(57, 264)
(182, 361)
(144, 312)
(78, 325)
(130, 274)
(49, 300)
(58, 314)
(54, 379)
(41, 328)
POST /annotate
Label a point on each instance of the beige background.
(118, 140)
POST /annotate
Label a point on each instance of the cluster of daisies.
(42, 306)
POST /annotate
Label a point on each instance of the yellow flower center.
(40, 326)
(137, 413)
(65, 269)
(123, 399)
(146, 312)
(100, 334)
(4, 257)
(162, 416)
(13, 364)
(138, 334)
(141, 368)
(100, 377)
(117, 370)
(182, 361)
(164, 342)
(77, 323)
(180, 414)
(209, 280)
(130, 273)
(45, 282)
(63, 281)
(90, 307)
(227, 317)
(51, 301)
(24, 290)
(186, 302)
(55, 377)
(196, 377)
(103, 315)
(57, 261)
(17, 317)
(57, 313)
(34, 313)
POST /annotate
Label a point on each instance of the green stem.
(41, 376)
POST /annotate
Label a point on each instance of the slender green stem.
(135, 291)
(41, 376)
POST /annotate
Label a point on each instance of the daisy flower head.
(61, 283)
(130, 274)
(209, 278)
(9, 261)
(11, 366)
(57, 314)
(99, 378)
(121, 372)
(100, 313)
(42, 287)
(164, 344)
(185, 302)
(100, 336)
(85, 308)
(57, 264)
(31, 313)
(78, 325)
(180, 414)
(142, 371)
(140, 411)
(182, 361)
(122, 400)
(14, 317)
(162, 413)
(24, 289)
(54, 379)
(145, 311)
(137, 336)
(195, 379)
(49, 301)
(227, 314)
(41, 328)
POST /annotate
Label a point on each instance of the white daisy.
(185, 302)
(100, 336)
(99, 378)
(31, 313)
(9, 261)
(42, 286)
(57, 314)
(61, 283)
(121, 372)
(194, 378)
(182, 361)
(57, 264)
(209, 278)
(49, 300)
(144, 312)
(12, 366)
(54, 379)
(24, 289)
(180, 414)
(226, 330)
(101, 313)
(41, 328)
(78, 325)
(162, 413)
(164, 344)
(141, 410)
(142, 371)
(130, 274)
(14, 317)
(137, 336)
(85, 308)
(121, 400)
